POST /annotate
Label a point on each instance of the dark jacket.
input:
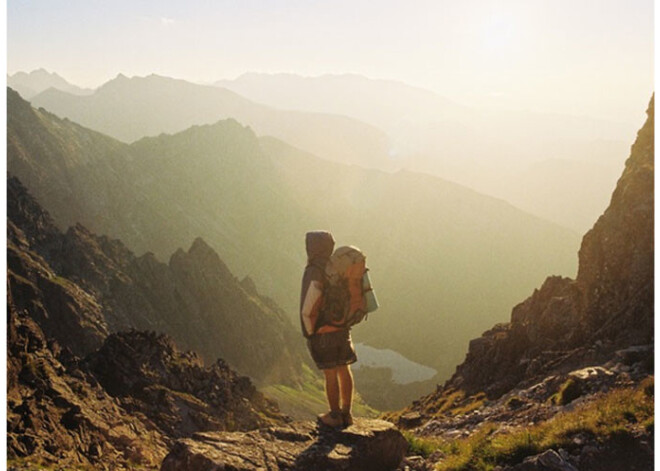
(319, 245)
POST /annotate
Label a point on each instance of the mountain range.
(495, 151)
(431, 244)
(33, 83)
(132, 108)
(566, 385)
(94, 383)
(379, 124)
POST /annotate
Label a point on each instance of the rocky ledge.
(366, 445)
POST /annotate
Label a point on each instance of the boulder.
(366, 445)
(410, 420)
(549, 460)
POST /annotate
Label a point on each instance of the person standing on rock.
(330, 346)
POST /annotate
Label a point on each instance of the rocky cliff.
(58, 414)
(609, 306)
(135, 393)
(567, 383)
(122, 407)
(91, 285)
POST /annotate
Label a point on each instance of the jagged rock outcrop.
(151, 377)
(62, 309)
(121, 407)
(92, 285)
(57, 413)
(135, 393)
(616, 257)
(367, 445)
(608, 307)
(547, 461)
(574, 349)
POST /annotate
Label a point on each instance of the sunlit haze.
(592, 57)
(207, 200)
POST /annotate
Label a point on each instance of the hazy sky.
(591, 57)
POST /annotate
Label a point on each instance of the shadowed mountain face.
(446, 261)
(79, 396)
(90, 286)
(123, 406)
(131, 108)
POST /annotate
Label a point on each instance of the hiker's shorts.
(332, 349)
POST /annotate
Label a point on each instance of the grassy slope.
(612, 418)
(309, 400)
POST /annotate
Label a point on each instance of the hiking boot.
(331, 419)
(347, 419)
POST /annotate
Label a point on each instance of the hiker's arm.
(311, 298)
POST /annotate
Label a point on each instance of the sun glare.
(499, 33)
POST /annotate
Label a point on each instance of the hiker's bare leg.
(332, 388)
(345, 387)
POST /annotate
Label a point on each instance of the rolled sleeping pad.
(371, 303)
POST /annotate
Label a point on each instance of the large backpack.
(347, 296)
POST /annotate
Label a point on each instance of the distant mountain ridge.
(379, 124)
(431, 244)
(492, 151)
(37, 81)
(132, 108)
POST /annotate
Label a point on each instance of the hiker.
(330, 346)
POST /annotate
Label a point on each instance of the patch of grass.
(514, 402)
(472, 403)
(63, 282)
(450, 399)
(39, 464)
(421, 446)
(309, 400)
(568, 392)
(614, 415)
(452, 402)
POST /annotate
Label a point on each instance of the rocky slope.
(431, 244)
(78, 396)
(122, 407)
(137, 399)
(90, 285)
(574, 365)
(57, 413)
(151, 378)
